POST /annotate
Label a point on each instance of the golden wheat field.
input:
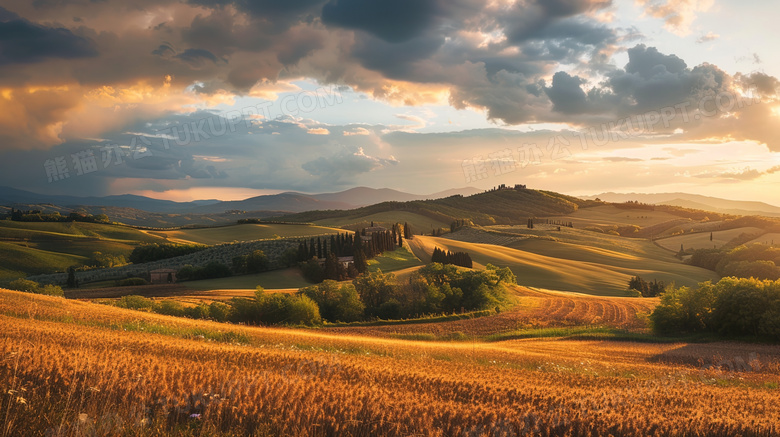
(70, 368)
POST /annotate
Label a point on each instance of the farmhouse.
(367, 232)
(163, 276)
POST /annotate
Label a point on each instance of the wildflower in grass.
(195, 416)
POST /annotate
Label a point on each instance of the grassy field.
(275, 279)
(608, 215)
(391, 261)
(77, 368)
(573, 267)
(701, 240)
(419, 223)
(770, 238)
(245, 232)
(33, 248)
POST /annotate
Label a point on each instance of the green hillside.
(28, 248)
(493, 207)
(571, 267)
(242, 232)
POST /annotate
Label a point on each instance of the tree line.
(36, 215)
(318, 257)
(462, 259)
(149, 252)
(756, 260)
(645, 288)
(435, 289)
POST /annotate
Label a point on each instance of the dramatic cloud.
(81, 75)
(391, 20)
(24, 42)
(745, 174)
(342, 167)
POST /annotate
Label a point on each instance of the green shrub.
(170, 308)
(685, 310)
(28, 286)
(197, 312)
(24, 285)
(135, 302)
(219, 311)
(336, 302)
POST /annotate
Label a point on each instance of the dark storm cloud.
(566, 94)
(196, 56)
(397, 60)
(277, 15)
(391, 20)
(24, 42)
(565, 8)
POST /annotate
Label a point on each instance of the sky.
(228, 99)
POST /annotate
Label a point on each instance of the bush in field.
(34, 287)
(279, 308)
(134, 302)
(375, 289)
(219, 311)
(170, 308)
(337, 303)
(685, 310)
(275, 309)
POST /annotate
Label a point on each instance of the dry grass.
(75, 368)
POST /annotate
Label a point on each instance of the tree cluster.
(635, 204)
(646, 289)
(211, 270)
(460, 223)
(754, 261)
(28, 286)
(318, 258)
(36, 215)
(436, 289)
(263, 309)
(731, 307)
(254, 262)
(462, 259)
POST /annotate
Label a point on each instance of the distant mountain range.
(695, 201)
(285, 202)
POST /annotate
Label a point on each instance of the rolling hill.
(695, 201)
(487, 208)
